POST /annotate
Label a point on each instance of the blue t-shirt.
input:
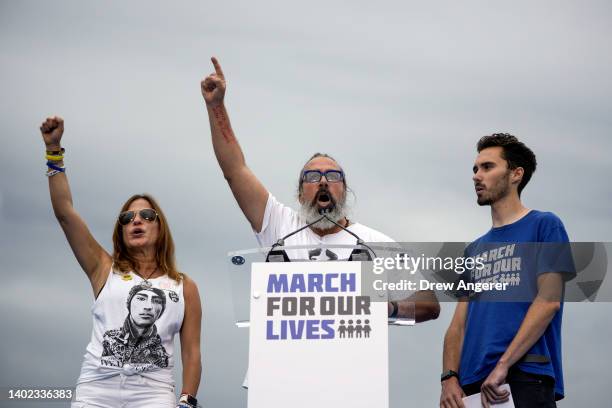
(491, 324)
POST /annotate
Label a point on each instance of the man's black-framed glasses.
(314, 176)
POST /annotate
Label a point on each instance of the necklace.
(145, 281)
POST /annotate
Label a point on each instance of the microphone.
(279, 255)
(327, 210)
(356, 254)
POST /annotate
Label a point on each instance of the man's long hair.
(164, 251)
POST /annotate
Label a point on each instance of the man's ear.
(517, 175)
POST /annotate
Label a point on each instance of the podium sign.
(314, 340)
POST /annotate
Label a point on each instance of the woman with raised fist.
(141, 300)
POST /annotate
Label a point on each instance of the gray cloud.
(399, 93)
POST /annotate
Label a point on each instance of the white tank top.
(134, 323)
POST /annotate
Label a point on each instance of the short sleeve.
(275, 215)
(554, 252)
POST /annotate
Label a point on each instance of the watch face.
(188, 399)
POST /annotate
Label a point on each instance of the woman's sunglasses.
(146, 214)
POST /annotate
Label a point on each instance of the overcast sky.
(398, 92)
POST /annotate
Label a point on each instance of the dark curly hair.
(514, 152)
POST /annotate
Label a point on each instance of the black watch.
(448, 374)
(186, 398)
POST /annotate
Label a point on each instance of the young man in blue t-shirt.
(514, 336)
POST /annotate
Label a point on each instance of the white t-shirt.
(280, 220)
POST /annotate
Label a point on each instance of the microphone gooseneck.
(359, 240)
(281, 242)
(323, 212)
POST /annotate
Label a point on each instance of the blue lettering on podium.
(312, 282)
(300, 329)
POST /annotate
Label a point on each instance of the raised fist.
(213, 86)
(52, 130)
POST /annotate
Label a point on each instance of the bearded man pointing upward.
(322, 188)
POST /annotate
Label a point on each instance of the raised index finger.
(218, 69)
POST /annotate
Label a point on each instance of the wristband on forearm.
(187, 401)
(448, 374)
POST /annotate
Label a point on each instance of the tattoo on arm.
(222, 121)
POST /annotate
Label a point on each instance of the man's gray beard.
(310, 212)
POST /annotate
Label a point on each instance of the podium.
(318, 333)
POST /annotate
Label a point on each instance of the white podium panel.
(314, 340)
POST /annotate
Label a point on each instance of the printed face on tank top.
(137, 342)
(145, 308)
